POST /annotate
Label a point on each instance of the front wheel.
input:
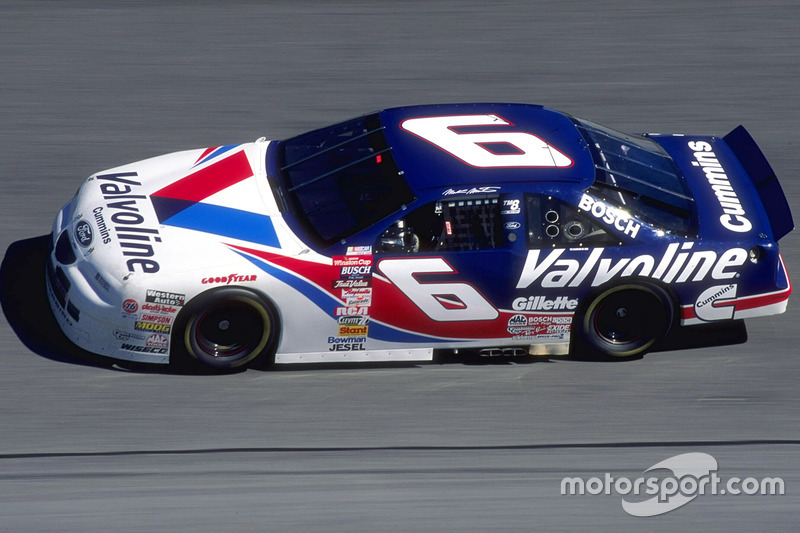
(627, 320)
(229, 328)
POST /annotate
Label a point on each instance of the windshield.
(342, 178)
(636, 173)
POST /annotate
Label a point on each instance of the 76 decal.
(489, 149)
(442, 302)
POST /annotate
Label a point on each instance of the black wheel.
(627, 320)
(229, 328)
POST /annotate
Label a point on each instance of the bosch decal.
(610, 215)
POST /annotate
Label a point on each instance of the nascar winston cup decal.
(671, 484)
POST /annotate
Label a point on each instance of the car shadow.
(24, 301)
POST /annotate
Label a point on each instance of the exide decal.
(673, 266)
(135, 239)
(733, 218)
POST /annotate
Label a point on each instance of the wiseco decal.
(672, 267)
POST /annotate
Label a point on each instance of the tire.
(229, 328)
(625, 321)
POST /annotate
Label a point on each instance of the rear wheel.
(627, 320)
(229, 328)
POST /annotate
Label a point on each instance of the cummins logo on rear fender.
(678, 264)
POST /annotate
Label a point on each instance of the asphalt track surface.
(437, 447)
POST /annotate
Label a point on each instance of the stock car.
(505, 229)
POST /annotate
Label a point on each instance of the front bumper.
(88, 304)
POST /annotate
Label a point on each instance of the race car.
(498, 228)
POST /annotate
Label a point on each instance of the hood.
(165, 214)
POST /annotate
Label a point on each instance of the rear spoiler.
(763, 177)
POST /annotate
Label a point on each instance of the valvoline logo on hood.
(181, 203)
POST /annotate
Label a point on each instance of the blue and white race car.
(501, 228)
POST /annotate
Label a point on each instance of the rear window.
(637, 174)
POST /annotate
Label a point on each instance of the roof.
(457, 145)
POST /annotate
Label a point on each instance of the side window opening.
(447, 225)
(552, 223)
